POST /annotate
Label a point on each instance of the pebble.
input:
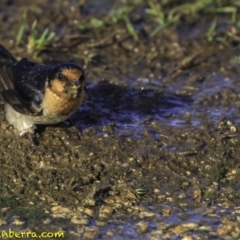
(75, 213)
(181, 228)
(142, 227)
(89, 212)
(105, 211)
(5, 209)
(18, 222)
(146, 214)
(89, 202)
(90, 233)
(187, 238)
(228, 204)
(5, 124)
(110, 234)
(60, 210)
(166, 212)
(47, 221)
(80, 220)
(3, 222)
(197, 194)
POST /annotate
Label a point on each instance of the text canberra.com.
(12, 234)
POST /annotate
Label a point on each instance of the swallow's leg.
(79, 134)
(34, 141)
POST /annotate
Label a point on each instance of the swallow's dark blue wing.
(22, 85)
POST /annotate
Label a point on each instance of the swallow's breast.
(60, 104)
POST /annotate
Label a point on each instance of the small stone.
(127, 203)
(2, 222)
(146, 214)
(185, 184)
(156, 234)
(89, 212)
(197, 194)
(166, 212)
(5, 209)
(223, 231)
(80, 221)
(110, 234)
(187, 238)
(75, 213)
(142, 227)
(179, 229)
(182, 196)
(156, 190)
(18, 222)
(184, 227)
(190, 225)
(118, 205)
(5, 124)
(89, 202)
(205, 228)
(80, 208)
(100, 223)
(233, 129)
(228, 204)
(161, 197)
(90, 233)
(47, 221)
(105, 211)
(60, 210)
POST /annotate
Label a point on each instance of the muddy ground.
(159, 156)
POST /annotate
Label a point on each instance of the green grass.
(165, 13)
(21, 28)
(35, 42)
(164, 18)
(122, 14)
(156, 14)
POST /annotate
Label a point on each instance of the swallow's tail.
(6, 56)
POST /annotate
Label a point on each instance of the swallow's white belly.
(25, 123)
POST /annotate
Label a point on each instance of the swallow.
(39, 94)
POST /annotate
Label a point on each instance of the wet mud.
(159, 153)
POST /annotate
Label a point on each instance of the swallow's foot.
(79, 134)
(35, 143)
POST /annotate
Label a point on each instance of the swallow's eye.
(60, 76)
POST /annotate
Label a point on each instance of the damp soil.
(159, 152)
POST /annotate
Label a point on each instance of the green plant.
(21, 28)
(96, 23)
(211, 31)
(34, 44)
(155, 10)
(123, 14)
(165, 19)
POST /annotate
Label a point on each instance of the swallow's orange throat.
(57, 87)
(58, 103)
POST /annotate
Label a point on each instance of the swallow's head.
(67, 80)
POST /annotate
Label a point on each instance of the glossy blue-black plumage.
(22, 83)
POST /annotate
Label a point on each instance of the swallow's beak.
(76, 83)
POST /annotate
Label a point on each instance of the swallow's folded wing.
(9, 92)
